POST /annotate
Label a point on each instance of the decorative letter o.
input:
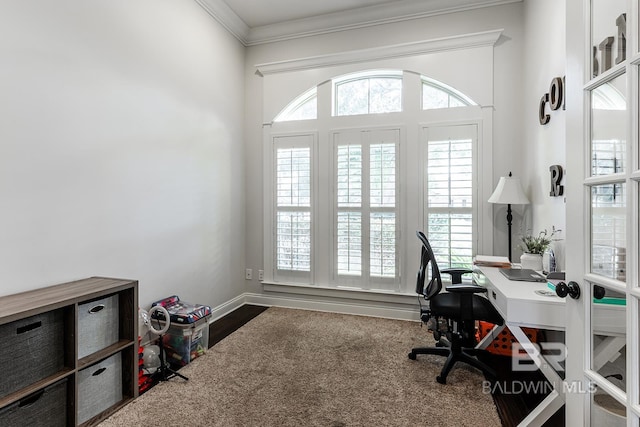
(556, 93)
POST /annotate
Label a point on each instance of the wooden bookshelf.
(45, 374)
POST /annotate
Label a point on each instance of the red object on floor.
(501, 344)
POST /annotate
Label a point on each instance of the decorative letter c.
(544, 118)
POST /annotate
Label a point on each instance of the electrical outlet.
(261, 275)
(248, 274)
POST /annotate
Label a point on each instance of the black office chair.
(455, 313)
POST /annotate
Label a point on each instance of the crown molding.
(486, 38)
(222, 13)
(363, 17)
(339, 21)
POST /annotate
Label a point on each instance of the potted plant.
(534, 246)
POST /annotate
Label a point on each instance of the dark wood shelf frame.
(67, 297)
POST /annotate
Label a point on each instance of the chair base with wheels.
(456, 348)
(455, 313)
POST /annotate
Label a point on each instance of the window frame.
(411, 120)
(475, 209)
(444, 88)
(365, 281)
(296, 104)
(294, 276)
(365, 75)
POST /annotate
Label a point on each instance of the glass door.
(601, 386)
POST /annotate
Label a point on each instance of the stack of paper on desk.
(492, 261)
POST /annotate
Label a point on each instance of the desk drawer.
(498, 300)
(523, 303)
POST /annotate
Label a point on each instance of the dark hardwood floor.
(512, 403)
(510, 394)
(226, 325)
(218, 330)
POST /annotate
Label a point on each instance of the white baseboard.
(227, 307)
(360, 307)
(405, 310)
(372, 308)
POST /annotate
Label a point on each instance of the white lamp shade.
(509, 191)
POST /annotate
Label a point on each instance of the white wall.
(543, 146)
(121, 147)
(507, 105)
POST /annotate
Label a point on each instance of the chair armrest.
(456, 273)
(467, 289)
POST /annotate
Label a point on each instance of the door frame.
(579, 85)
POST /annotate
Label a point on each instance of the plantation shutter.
(383, 209)
(293, 205)
(349, 216)
(608, 222)
(366, 208)
(449, 193)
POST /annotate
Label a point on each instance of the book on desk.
(503, 263)
(492, 261)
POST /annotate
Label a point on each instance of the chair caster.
(412, 356)
(441, 380)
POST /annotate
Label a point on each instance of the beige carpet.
(305, 368)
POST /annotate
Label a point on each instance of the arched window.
(304, 107)
(608, 97)
(436, 95)
(335, 184)
(370, 92)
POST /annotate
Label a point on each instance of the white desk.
(521, 306)
(518, 302)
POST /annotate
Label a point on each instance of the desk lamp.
(509, 191)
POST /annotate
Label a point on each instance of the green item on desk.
(610, 301)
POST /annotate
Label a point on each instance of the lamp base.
(509, 219)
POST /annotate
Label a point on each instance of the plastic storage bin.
(181, 312)
(183, 343)
(502, 344)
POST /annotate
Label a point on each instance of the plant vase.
(531, 261)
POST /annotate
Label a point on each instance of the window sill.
(341, 293)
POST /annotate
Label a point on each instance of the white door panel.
(602, 184)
